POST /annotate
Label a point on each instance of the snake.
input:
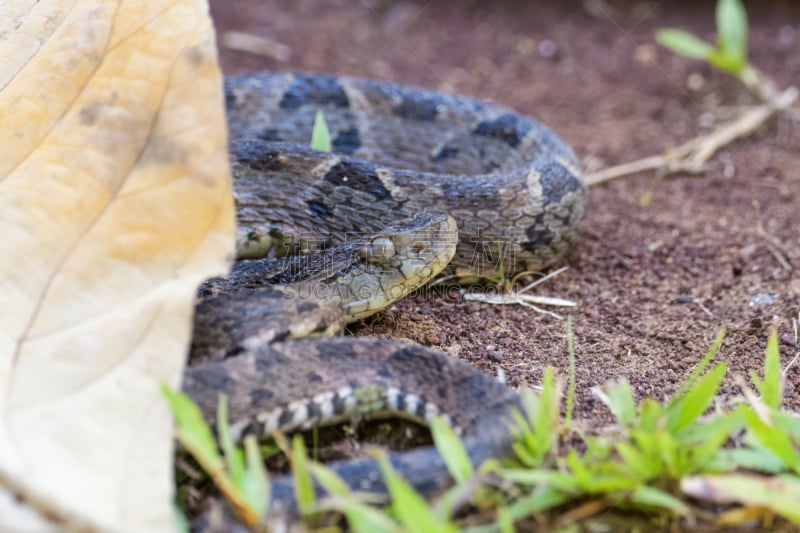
(417, 181)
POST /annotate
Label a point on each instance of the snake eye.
(378, 250)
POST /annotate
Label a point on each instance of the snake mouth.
(421, 247)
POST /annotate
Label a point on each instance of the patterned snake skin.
(327, 238)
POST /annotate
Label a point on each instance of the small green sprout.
(321, 135)
(730, 53)
(239, 475)
(452, 450)
(408, 506)
(537, 427)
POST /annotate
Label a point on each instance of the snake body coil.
(354, 230)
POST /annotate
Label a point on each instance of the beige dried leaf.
(115, 202)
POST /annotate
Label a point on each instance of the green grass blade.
(653, 497)
(504, 520)
(537, 429)
(756, 459)
(597, 448)
(193, 432)
(771, 388)
(365, 519)
(621, 403)
(525, 436)
(329, 479)
(233, 456)
(303, 485)
(562, 481)
(775, 440)
(637, 462)
(361, 518)
(181, 522)
(524, 456)
(756, 380)
(684, 43)
(651, 415)
(321, 135)
(254, 482)
(648, 453)
(732, 32)
(789, 423)
(451, 449)
(578, 468)
(696, 401)
(700, 368)
(705, 441)
(545, 421)
(409, 506)
(537, 502)
(669, 452)
(195, 436)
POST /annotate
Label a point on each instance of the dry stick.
(692, 155)
(255, 44)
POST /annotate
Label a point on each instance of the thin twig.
(692, 155)
(520, 297)
(255, 44)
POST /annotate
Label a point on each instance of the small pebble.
(433, 338)
(548, 49)
(788, 340)
(695, 81)
(526, 47)
(763, 298)
(748, 250)
(729, 169)
(495, 355)
(645, 54)
(707, 120)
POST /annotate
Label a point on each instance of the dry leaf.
(778, 494)
(115, 202)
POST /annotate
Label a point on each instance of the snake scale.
(416, 179)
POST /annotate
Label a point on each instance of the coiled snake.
(343, 234)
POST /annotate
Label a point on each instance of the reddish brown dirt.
(653, 282)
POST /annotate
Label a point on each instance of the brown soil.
(654, 282)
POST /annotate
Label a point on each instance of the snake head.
(396, 262)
